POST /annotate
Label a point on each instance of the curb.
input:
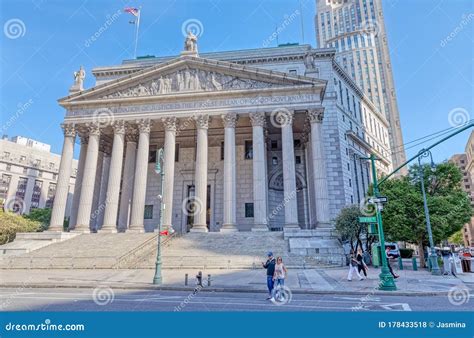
(222, 289)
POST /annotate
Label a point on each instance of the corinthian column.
(319, 173)
(141, 171)
(113, 187)
(200, 198)
(128, 178)
(230, 181)
(259, 173)
(62, 187)
(88, 180)
(285, 118)
(168, 167)
(78, 183)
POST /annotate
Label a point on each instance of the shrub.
(406, 253)
(11, 223)
(40, 215)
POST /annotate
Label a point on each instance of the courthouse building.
(254, 140)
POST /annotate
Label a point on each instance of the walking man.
(270, 266)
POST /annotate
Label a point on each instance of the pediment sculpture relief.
(190, 80)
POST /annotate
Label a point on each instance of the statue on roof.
(190, 44)
(79, 77)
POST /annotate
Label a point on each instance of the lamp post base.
(157, 279)
(435, 270)
(387, 282)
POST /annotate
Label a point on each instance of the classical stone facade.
(254, 140)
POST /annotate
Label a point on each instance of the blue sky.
(433, 76)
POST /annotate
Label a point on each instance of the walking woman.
(361, 266)
(353, 267)
(280, 272)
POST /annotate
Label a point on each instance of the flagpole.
(136, 32)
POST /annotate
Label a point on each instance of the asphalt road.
(106, 299)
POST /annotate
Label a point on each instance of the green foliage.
(40, 215)
(449, 206)
(348, 226)
(11, 223)
(456, 238)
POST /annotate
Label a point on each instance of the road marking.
(361, 299)
(396, 307)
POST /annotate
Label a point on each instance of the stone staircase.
(85, 251)
(214, 250)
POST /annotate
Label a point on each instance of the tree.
(403, 215)
(350, 229)
(42, 216)
(456, 238)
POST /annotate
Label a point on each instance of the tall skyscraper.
(356, 29)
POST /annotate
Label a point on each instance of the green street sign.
(372, 219)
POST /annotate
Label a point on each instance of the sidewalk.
(330, 281)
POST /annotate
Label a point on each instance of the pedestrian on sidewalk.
(270, 266)
(389, 256)
(280, 272)
(361, 266)
(353, 267)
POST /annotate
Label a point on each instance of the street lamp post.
(433, 257)
(387, 283)
(159, 169)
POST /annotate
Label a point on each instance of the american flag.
(134, 11)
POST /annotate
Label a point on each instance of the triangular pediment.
(191, 74)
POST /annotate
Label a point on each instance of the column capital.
(316, 115)
(144, 125)
(229, 120)
(258, 119)
(170, 123)
(131, 134)
(202, 121)
(69, 129)
(93, 128)
(119, 127)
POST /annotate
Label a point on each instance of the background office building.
(29, 173)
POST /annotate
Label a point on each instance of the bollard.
(400, 263)
(415, 268)
(186, 279)
(208, 280)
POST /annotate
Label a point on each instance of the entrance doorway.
(190, 216)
